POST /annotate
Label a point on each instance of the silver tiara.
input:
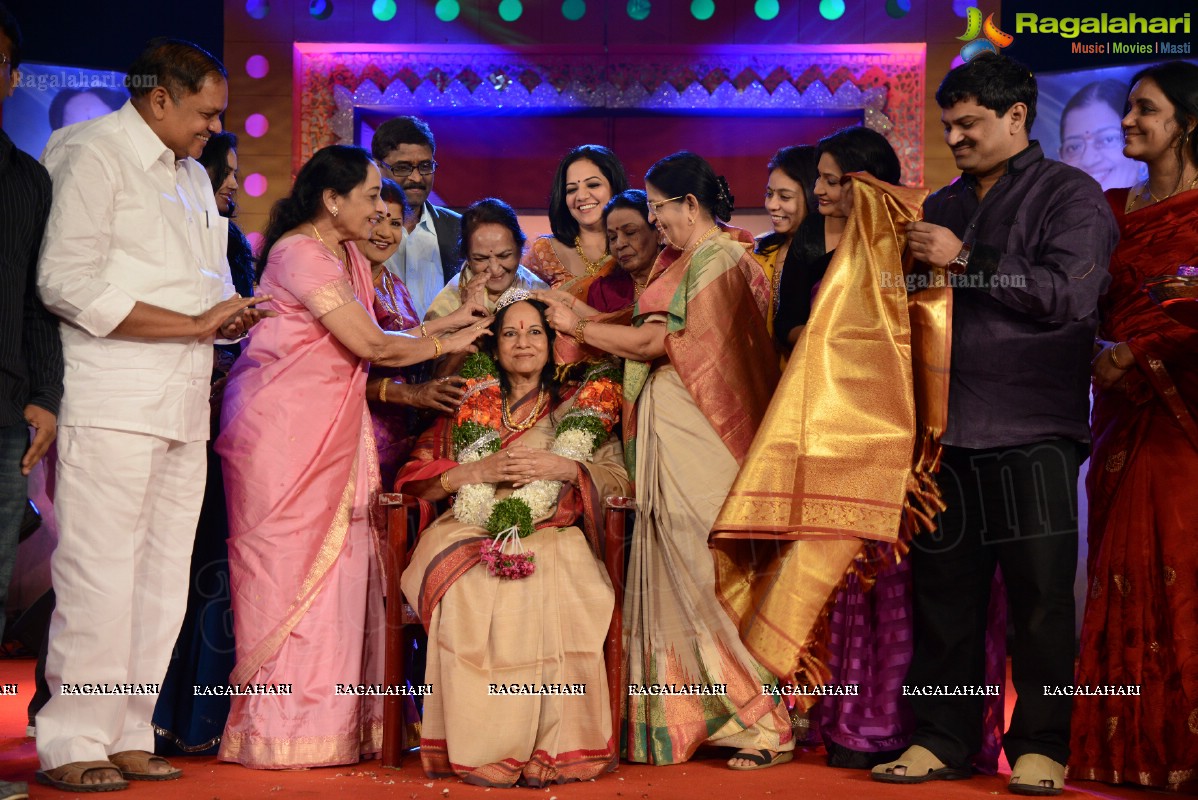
(512, 295)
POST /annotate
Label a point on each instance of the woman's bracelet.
(580, 332)
(445, 482)
(1115, 360)
(383, 390)
(423, 330)
(436, 347)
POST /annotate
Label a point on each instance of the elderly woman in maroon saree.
(1141, 618)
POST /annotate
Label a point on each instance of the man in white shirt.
(133, 262)
(428, 256)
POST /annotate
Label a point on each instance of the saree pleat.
(675, 630)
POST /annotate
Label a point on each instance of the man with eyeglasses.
(427, 258)
(30, 348)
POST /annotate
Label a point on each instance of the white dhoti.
(127, 506)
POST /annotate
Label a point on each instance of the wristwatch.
(960, 262)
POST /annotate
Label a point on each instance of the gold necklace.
(1146, 192)
(712, 231)
(344, 255)
(531, 420)
(638, 287)
(591, 266)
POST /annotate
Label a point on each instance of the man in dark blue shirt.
(30, 350)
(1027, 242)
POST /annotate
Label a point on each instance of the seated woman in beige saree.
(509, 583)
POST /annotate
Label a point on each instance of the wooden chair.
(403, 621)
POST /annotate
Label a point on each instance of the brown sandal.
(135, 765)
(69, 777)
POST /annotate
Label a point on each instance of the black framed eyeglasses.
(402, 169)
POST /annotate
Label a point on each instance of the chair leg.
(615, 521)
(395, 736)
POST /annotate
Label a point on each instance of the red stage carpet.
(707, 779)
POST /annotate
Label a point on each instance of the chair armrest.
(616, 502)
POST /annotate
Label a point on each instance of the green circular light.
(447, 10)
(574, 10)
(639, 9)
(766, 9)
(383, 10)
(321, 9)
(510, 10)
(897, 9)
(831, 9)
(702, 9)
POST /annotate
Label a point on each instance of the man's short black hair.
(178, 66)
(992, 81)
(8, 24)
(401, 130)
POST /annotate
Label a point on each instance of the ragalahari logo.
(992, 39)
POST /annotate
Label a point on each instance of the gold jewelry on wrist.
(436, 347)
(445, 482)
(1115, 360)
(383, 390)
(423, 330)
(580, 332)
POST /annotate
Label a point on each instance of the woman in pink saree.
(300, 468)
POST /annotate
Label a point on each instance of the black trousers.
(1015, 508)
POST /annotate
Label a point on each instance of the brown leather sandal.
(135, 765)
(69, 777)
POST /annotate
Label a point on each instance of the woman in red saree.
(1141, 618)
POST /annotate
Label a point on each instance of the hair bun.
(723, 200)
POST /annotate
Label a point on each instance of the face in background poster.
(49, 97)
(1078, 121)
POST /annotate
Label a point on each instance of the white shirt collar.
(146, 144)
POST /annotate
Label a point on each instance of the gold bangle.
(445, 481)
(423, 330)
(580, 332)
(1115, 360)
(436, 347)
(383, 391)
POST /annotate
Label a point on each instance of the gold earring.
(334, 211)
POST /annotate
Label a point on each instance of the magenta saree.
(300, 467)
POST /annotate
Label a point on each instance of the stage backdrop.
(503, 117)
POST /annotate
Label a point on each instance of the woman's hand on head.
(466, 340)
(558, 314)
(566, 299)
(467, 314)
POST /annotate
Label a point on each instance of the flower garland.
(581, 431)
